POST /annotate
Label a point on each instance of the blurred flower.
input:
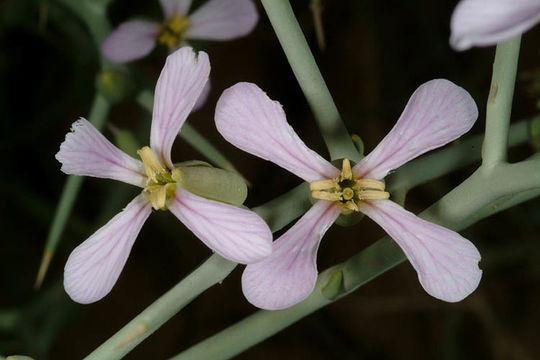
(488, 22)
(437, 113)
(235, 233)
(215, 20)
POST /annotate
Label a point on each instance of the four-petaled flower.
(437, 113)
(488, 22)
(215, 20)
(235, 233)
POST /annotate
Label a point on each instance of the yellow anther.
(350, 205)
(348, 193)
(372, 195)
(324, 185)
(159, 194)
(171, 34)
(369, 184)
(324, 195)
(154, 170)
(346, 172)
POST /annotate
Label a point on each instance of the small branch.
(211, 272)
(309, 77)
(499, 104)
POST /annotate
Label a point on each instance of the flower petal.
(438, 112)
(222, 20)
(171, 8)
(446, 263)
(87, 152)
(179, 86)
(488, 22)
(289, 274)
(130, 41)
(203, 97)
(94, 266)
(251, 121)
(235, 233)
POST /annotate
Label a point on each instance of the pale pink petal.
(203, 97)
(438, 112)
(251, 121)
(171, 8)
(235, 233)
(130, 41)
(94, 266)
(488, 22)
(289, 274)
(85, 151)
(446, 263)
(222, 20)
(179, 86)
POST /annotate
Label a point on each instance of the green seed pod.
(212, 183)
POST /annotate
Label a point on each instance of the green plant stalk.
(98, 115)
(309, 77)
(212, 271)
(191, 136)
(499, 104)
(453, 211)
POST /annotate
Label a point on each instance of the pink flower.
(488, 22)
(437, 113)
(215, 20)
(235, 233)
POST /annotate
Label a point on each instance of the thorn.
(43, 267)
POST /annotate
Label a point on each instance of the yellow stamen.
(154, 170)
(323, 195)
(324, 185)
(350, 205)
(372, 195)
(369, 184)
(346, 172)
(171, 34)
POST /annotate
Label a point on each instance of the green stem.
(499, 104)
(453, 211)
(309, 77)
(98, 115)
(191, 136)
(212, 271)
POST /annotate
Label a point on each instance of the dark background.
(378, 53)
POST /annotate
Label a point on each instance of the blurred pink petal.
(251, 121)
(288, 275)
(203, 97)
(171, 8)
(446, 263)
(94, 266)
(488, 22)
(222, 20)
(179, 86)
(130, 41)
(235, 233)
(85, 151)
(438, 112)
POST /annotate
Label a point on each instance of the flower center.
(160, 185)
(171, 33)
(347, 191)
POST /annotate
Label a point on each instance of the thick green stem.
(98, 115)
(499, 104)
(453, 211)
(309, 77)
(212, 271)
